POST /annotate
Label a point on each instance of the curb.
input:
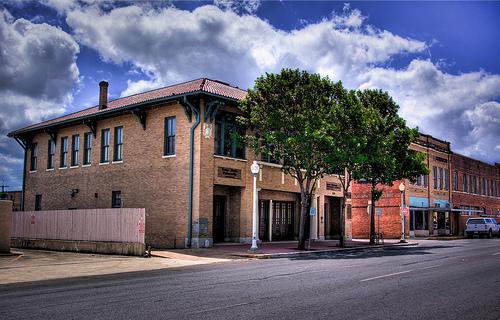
(445, 238)
(306, 253)
(11, 253)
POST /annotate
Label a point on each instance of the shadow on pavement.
(372, 252)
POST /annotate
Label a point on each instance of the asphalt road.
(436, 280)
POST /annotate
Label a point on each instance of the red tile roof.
(203, 84)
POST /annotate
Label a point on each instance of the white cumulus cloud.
(173, 45)
(459, 108)
(37, 73)
(244, 6)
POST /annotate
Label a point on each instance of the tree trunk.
(342, 223)
(302, 224)
(372, 217)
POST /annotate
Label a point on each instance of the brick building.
(475, 188)
(439, 203)
(170, 151)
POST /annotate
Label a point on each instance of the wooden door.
(263, 220)
(283, 213)
(218, 221)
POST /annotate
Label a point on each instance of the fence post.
(5, 225)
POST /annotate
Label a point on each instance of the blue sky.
(439, 60)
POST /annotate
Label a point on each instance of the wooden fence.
(113, 225)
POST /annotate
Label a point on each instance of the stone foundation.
(132, 249)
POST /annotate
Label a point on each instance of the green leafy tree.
(287, 111)
(388, 157)
(346, 146)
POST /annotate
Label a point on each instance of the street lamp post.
(402, 190)
(255, 170)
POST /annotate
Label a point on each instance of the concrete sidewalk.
(37, 265)
(269, 250)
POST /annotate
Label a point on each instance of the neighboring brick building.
(428, 198)
(389, 204)
(476, 188)
(434, 209)
(170, 151)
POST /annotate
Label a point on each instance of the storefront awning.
(419, 202)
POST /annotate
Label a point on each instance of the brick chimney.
(103, 95)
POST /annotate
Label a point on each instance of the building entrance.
(441, 222)
(332, 218)
(282, 220)
(218, 218)
(264, 220)
(419, 223)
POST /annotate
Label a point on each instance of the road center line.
(497, 253)
(386, 275)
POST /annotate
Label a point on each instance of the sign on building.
(230, 173)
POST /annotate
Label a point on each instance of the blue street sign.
(312, 212)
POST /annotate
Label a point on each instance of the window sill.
(119, 161)
(103, 163)
(86, 165)
(168, 156)
(73, 167)
(50, 169)
(229, 158)
(63, 168)
(32, 171)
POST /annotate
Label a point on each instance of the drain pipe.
(191, 151)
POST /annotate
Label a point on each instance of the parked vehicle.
(482, 227)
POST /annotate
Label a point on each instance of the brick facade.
(145, 178)
(389, 203)
(428, 199)
(481, 197)
(158, 183)
(437, 204)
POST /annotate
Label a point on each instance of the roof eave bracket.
(211, 109)
(52, 133)
(141, 116)
(92, 126)
(183, 101)
(23, 142)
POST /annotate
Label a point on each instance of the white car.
(482, 227)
